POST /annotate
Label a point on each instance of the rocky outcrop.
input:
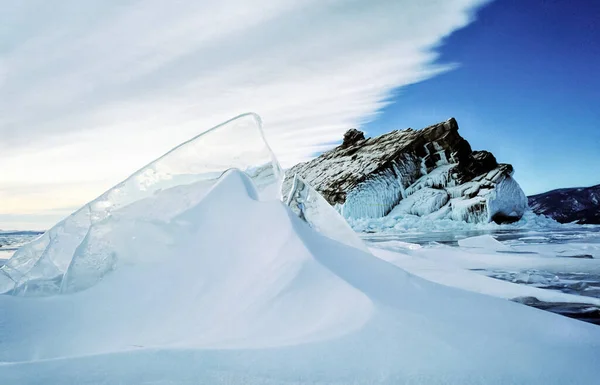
(430, 172)
(579, 205)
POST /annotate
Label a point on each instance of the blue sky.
(527, 88)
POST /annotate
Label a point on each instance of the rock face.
(430, 172)
(580, 205)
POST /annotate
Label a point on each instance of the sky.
(526, 87)
(91, 91)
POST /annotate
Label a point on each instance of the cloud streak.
(90, 91)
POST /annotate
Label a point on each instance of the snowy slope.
(181, 278)
(40, 266)
(249, 293)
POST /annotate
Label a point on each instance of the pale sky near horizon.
(91, 91)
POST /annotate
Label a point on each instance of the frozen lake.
(555, 260)
(570, 234)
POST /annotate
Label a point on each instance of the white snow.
(201, 159)
(247, 292)
(207, 283)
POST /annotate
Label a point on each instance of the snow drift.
(218, 281)
(40, 266)
(75, 253)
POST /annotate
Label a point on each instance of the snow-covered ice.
(39, 267)
(219, 282)
(246, 292)
(561, 266)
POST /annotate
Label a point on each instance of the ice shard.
(312, 208)
(109, 232)
(39, 267)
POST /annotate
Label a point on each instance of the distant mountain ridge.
(579, 204)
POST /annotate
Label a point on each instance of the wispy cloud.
(92, 90)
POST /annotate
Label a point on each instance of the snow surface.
(249, 293)
(210, 281)
(39, 267)
(468, 266)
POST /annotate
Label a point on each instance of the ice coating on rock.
(38, 267)
(507, 200)
(375, 198)
(312, 208)
(421, 203)
(369, 178)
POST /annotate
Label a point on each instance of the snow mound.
(39, 267)
(221, 282)
(227, 271)
(76, 253)
(242, 290)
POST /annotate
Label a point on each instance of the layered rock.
(580, 205)
(430, 172)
